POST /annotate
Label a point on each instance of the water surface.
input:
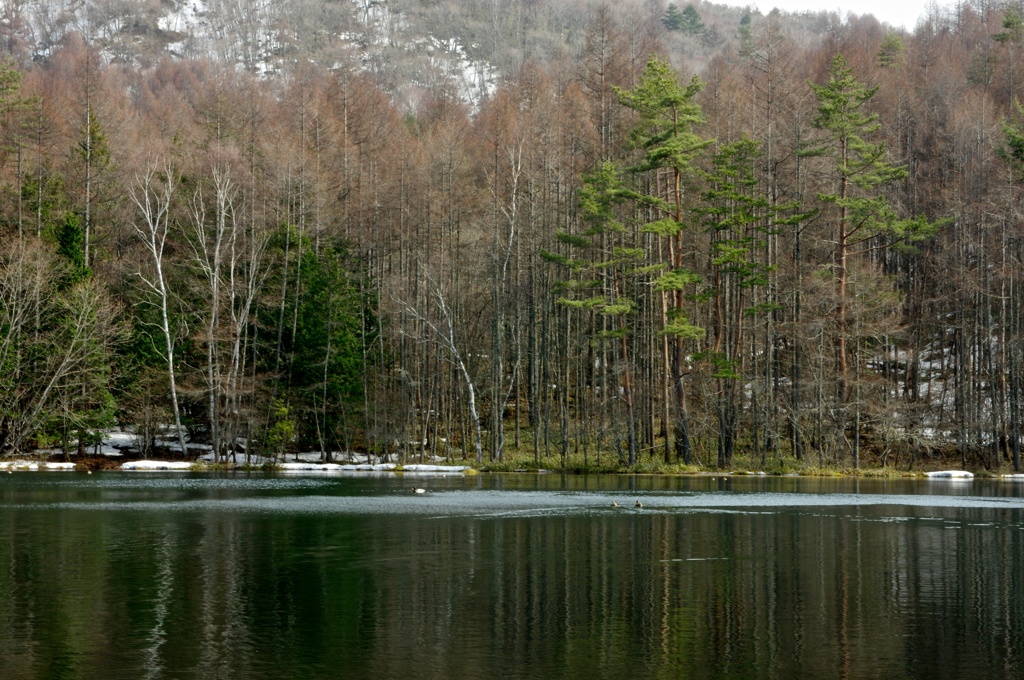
(185, 575)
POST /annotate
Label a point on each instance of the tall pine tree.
(860, 171)
(600, 277)
(665, 134)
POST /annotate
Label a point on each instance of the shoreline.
(107, 464)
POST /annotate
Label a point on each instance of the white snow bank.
(57, 466)
(19, 465)
(1014, 477)
(322, 467)
(365, 467)
(950, 474)
(434, 468)
(336, 467)
(33, 465)
(156, 465)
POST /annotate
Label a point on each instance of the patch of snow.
(336, 467)
(950, 474)
(185, 18)
(63, 467)
(119, 439)
(302, 467)
(364, 467)
(156, 465)
(310, 456)
(10, 465)
(434, 468)
(18, 465)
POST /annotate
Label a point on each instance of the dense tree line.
(806, 251)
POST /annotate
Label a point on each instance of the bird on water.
(639, 504)
(614, 504)
(416, 489)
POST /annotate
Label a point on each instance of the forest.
(642, 237)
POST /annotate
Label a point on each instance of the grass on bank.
(524, 459)
(606, 460)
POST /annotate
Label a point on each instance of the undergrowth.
(525, 460)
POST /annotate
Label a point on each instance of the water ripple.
(516, 503)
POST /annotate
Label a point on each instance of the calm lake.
(164, 575)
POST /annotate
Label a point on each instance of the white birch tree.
(152, 196)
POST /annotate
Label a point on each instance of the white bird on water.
(416, 489)
(639, 504)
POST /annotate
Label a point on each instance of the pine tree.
(740, 218)
(599, 280)
(329, 360)
(690, 22)
(745, 36)
(673, 19)
(891, 52)
(860, 172)
(667, 116)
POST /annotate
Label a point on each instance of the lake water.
(163, 575)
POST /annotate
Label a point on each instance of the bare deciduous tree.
(152, 196)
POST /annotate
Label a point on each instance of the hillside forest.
(632, 237)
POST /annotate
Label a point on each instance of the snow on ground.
(333, 467)
(475, 79)
(306, 467)
(304, 457)
(116, 442)
(89, 451)
(173, 445)
(113, 444)
(186, 17)
(950, 474)
(11, 465)
(157, 465)
(434, 468)
(379, 467)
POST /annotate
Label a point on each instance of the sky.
(897, 13)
